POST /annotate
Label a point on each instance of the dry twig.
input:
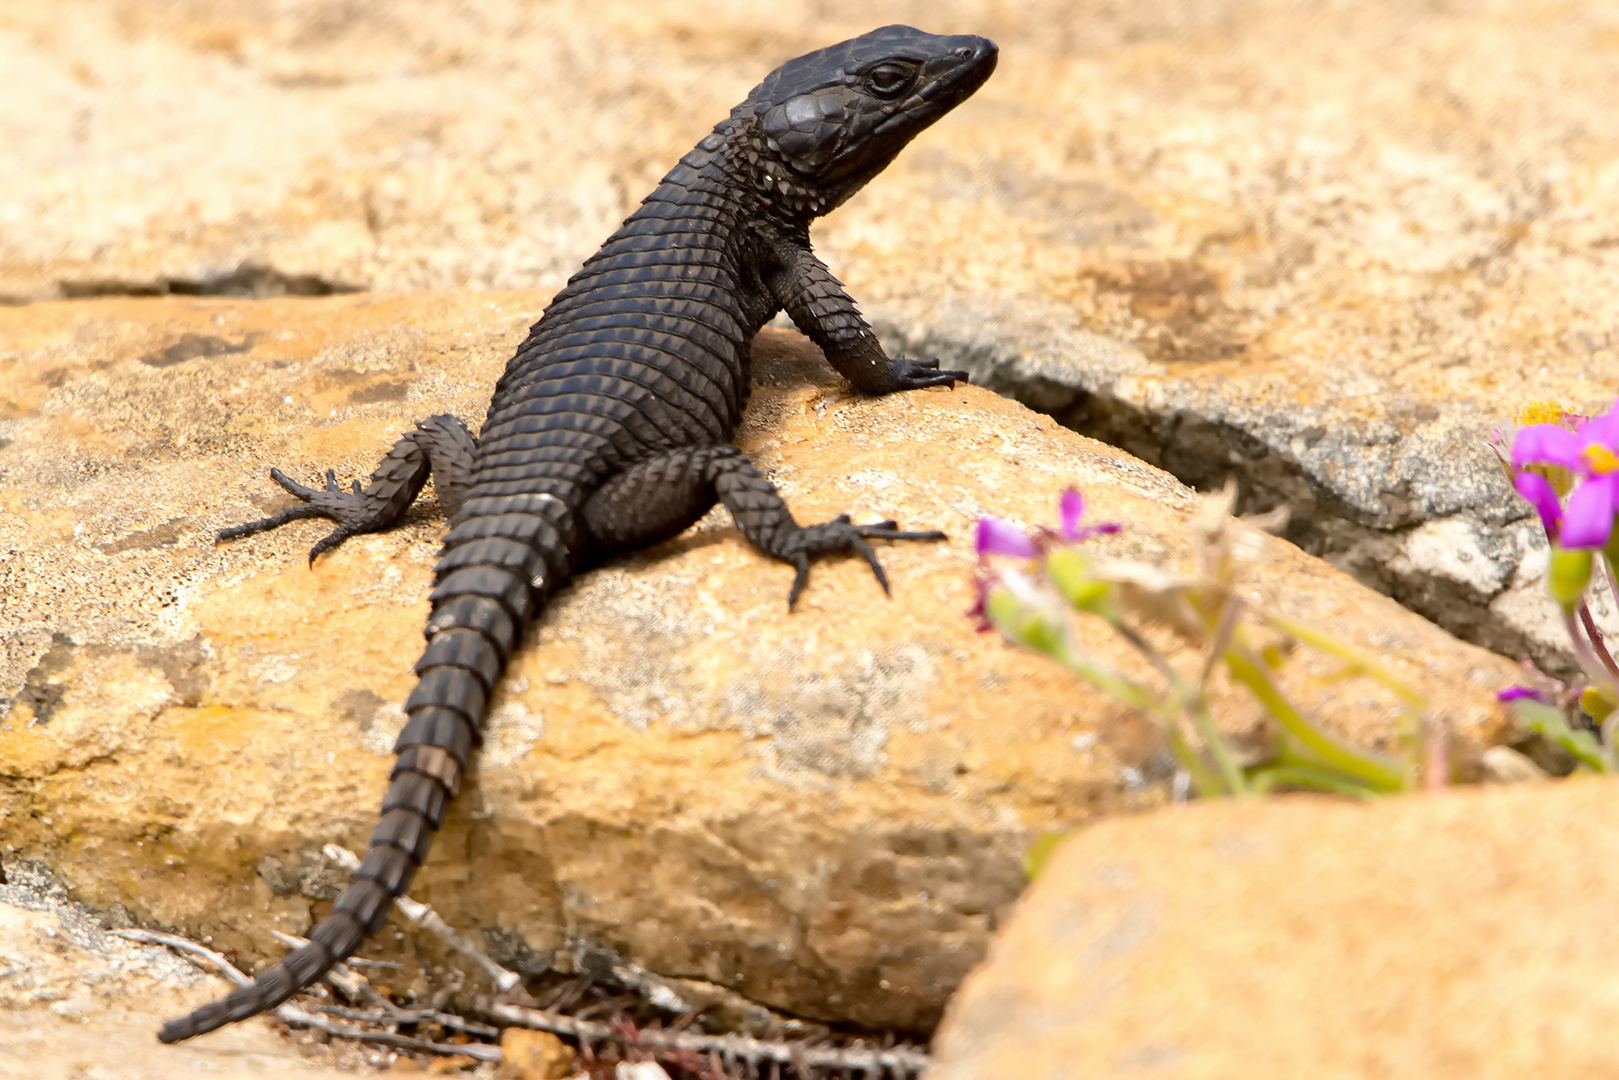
(428, 919)
(383, 1011)
(899, 1061)
(726, 1055)
(293, 1014)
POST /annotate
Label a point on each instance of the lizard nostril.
(966, 52)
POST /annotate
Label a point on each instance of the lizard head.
(837, 116)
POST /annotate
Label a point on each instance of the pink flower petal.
(1588, 520)
(1543, 497)
(1547, 444)
(1518, 693)
(1072, 507)
(997, 537)
(1098, 529)
(1602, 430)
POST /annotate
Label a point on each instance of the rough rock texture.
(1338, 243)
(1459, 935)
(533, 1055)
(77, 1003)
(824, 811)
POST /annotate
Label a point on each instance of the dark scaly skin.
(611, 427)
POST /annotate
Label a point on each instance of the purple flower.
(1588, 521)
(1543, 497)
(1072, 509)
(1517, 693)
(1590, 454)
(997, 537)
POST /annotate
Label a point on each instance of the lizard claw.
(840, 535)
(331, 502)
(914, 374)
(293, 487)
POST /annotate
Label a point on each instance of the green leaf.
(1372, 771)
(1267, 777)
(1551, 724)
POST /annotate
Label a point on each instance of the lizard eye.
(888, 80)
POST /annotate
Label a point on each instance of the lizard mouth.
(966, 64)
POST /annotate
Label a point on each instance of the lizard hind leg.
(657, 498)
(440, 445)
(763, 517)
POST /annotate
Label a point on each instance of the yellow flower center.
(1602, 459)
(1540, 412)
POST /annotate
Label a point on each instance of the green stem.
(1373, 773)
(1225, 627)
(1305, 777)
(1229, 778)
(1584, 653)
(1188, 698)
(1216, 744)
(1595, 636)
(1333, 647)
(1208, 784)
(1144, 647)
(1110, 682)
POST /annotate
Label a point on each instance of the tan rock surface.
(77, 1003)
(825, 811)
(533, 1055)
(1461, 935)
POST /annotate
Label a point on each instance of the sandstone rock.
(824, 811)
(533, 1055)
(1462, 934)
(1326, 250)
(78, 1002)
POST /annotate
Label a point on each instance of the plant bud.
(1026, 615)
(1568, 574)
(1598, 702)
(1068, 569)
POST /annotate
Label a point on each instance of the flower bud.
(1568, 574)
(1068, 569)
(1597, 702)
(1026, 615)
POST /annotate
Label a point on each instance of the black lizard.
(611, 427)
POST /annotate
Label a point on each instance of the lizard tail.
(478, 615)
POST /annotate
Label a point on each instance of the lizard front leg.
(440, 445)
(818, 306)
